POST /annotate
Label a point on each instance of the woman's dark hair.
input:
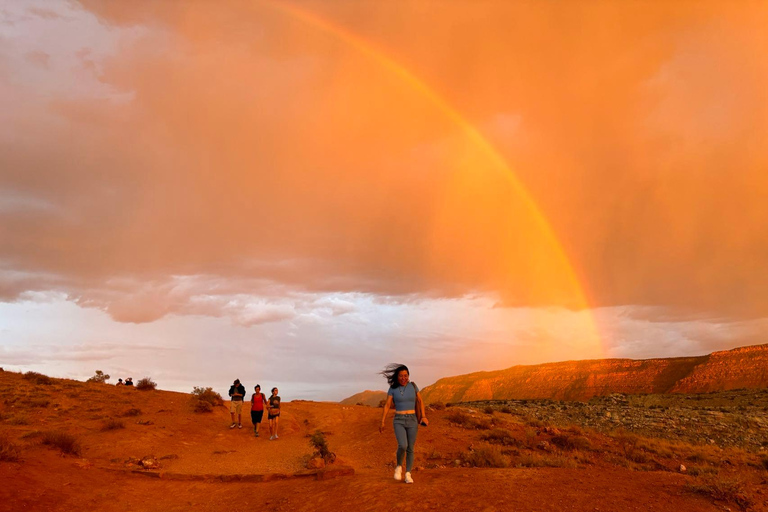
(274, 389)
(256, 386)
(391, 371)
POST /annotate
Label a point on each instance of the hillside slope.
(744, 367)
(367, 397)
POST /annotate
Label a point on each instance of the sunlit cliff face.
(248, 161)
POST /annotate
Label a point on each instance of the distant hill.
(371, 398)
(745, 367)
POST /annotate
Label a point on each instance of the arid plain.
(70, 445)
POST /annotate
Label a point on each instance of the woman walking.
(405, 395)
(273, 414)
(258, 401)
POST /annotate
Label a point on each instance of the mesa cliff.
(367, 397)
(744, 367)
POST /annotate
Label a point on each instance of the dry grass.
(436, 406)
(730, 490)
(9, 452)
(486, 456)
(571, 443)
(38, 378)
(112, 424)
(146, 384)
(466, 420)
(19, 420)
(535, 460)
(501, 436)
(132, 412)
(201, 406)
(67, 443)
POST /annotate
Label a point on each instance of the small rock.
(149, 462)
(682, 468)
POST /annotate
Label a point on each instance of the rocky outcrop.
(370, 398)
(745, 367)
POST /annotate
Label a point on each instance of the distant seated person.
(129, 381)
(120, 382)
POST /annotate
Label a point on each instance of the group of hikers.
(258, 403)
(128, 382)
(403, 395)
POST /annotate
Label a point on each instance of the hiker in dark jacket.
(236, 393)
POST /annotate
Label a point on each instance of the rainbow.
(587, 327)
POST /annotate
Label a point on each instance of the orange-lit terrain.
(745, 367)
(468, 458)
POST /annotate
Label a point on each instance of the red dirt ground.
(203, 449)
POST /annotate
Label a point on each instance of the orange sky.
(155, 152)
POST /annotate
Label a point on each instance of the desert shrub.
(460, 418)
(534, 422)
(38, 378)
(723, 489)
(500, 436)
(201, 406)
(565, 442)
(434, 454)
(627, 442)
(112, 424)
(506, 409)
(132, 412)
(486, 456)
(146, 384)
(38, 402)
(764, 461)
(9, 452)
(702, 470)
(488, 409)
(382, 403)
(466, 420)
(437, 406)
(31, 434)
(530, 438)
(320, 444)
(535, 460)
(19, 420)
(208, 395)
(67, 443)
(99, 377)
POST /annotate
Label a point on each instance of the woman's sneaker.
(233, 425)
(408, 478)
(399, 473)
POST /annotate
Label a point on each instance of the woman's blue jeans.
(406, 428)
